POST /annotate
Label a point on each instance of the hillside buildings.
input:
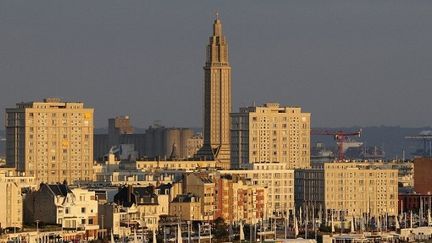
(270, 133)
(51, 140)
(252, 166)
(217, 100)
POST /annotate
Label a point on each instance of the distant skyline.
(348, 63)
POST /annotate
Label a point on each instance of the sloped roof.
(59, 189)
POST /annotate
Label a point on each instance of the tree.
(220, 229)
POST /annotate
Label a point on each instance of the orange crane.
(340, 137)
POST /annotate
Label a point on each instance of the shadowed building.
(217, 99)
(118, 126)
(422, 177)
(157, 141)
(147, 204)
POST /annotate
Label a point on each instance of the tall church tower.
(217, 99)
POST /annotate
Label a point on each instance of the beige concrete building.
(186, 207)
(217, 99)
(353, 188)
(201, 185)
(279, 182)
(187, 165)
(270, 133)
(193, 144)
(50, 140)
(11, 198)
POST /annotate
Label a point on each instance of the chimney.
(129, 193)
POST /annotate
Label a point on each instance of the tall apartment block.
(217, 100)
(50, 140)
(270, 133)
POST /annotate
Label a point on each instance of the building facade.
(422, 177)
(270, 133)
(50, 140)
(193, 144)
(203, 186)
(11, 197)
(279, 184)
(147, 206)
(157, 141)
(186, 165)
(72, 208)
(118, 126)
(355, 189)
(239, 200)
(217, 99)
(186, 207)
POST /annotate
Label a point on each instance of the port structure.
(340, 137)
(426, 138)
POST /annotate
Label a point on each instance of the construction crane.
(340, 137)
(426, 137)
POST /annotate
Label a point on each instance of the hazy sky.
(347, 62)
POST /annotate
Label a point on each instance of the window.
(83, 210)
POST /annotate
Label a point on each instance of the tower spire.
(217, 99)
(217, 26)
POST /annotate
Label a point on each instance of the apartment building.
(186, 207)
(11, 197)
(270, 133)
(203, 186)
(355, 189)
(278, 181)
(51, 140)
(238, 199)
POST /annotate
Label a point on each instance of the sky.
(349, 63)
